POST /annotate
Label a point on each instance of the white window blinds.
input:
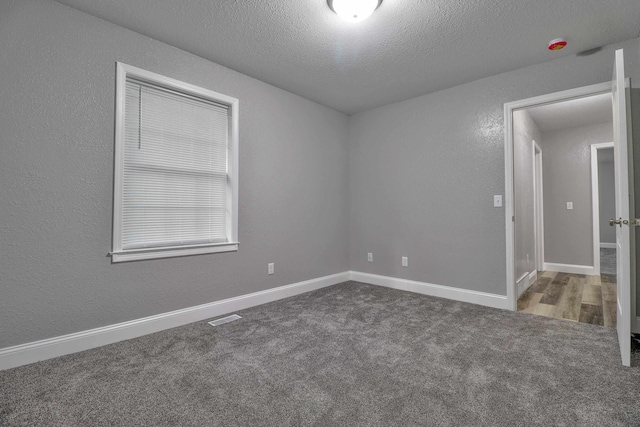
(174, 188)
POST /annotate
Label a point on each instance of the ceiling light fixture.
(354, 10)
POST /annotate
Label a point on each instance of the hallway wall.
(566, 170)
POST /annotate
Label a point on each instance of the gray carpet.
(347, 355)
(608, 261)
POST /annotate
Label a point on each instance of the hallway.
(575, 297)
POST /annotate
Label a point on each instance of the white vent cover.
(224, 320)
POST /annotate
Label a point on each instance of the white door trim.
(595, 203)
(509, 108)
(538, 209)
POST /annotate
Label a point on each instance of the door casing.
(595, 202)
(509, 108)
(538, 204)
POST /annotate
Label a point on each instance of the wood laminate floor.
(576, 297)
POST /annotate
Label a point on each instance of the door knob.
(614, 222)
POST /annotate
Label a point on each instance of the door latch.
(631, 222)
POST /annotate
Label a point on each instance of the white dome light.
(354, 10)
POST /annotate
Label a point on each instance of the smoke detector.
(557, 44)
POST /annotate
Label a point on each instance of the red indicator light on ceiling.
(557, 44)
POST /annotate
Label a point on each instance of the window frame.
(123, 72)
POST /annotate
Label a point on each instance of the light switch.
(497, 201)
(569, 205)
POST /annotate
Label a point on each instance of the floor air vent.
(224, 320)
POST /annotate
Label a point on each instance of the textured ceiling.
(407, 48)
(576, 112)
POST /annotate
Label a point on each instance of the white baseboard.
(569, 268)
(522, 284)
(525, 281)
(607, 245)
(457, 294)
(11, 357)
(522, 278)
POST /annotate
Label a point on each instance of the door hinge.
(513, 218)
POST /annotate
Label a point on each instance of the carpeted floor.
(347, 355)
(608, 261)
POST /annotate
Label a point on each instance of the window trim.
(124, 71)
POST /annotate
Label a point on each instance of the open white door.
(623, 196)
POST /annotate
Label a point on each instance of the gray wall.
(421, 177)
(56, 169)
(525, 131)
(606, 199)
(566, 172)
(423, 173)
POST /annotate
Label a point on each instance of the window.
(176, 168)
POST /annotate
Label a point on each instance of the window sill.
(156, 253)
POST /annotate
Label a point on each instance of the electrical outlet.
(569, 205)
(370, 257)
(270, 268)
(405, 261)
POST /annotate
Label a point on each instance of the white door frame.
(509, 108)
(538, 209)
(595, 202)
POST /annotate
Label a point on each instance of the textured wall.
(566, 172)
(56, 169)
(525, 131)
(606, 200)
(421, 179)
(423, 173)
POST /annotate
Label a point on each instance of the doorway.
(619, 90)
(557, 240)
